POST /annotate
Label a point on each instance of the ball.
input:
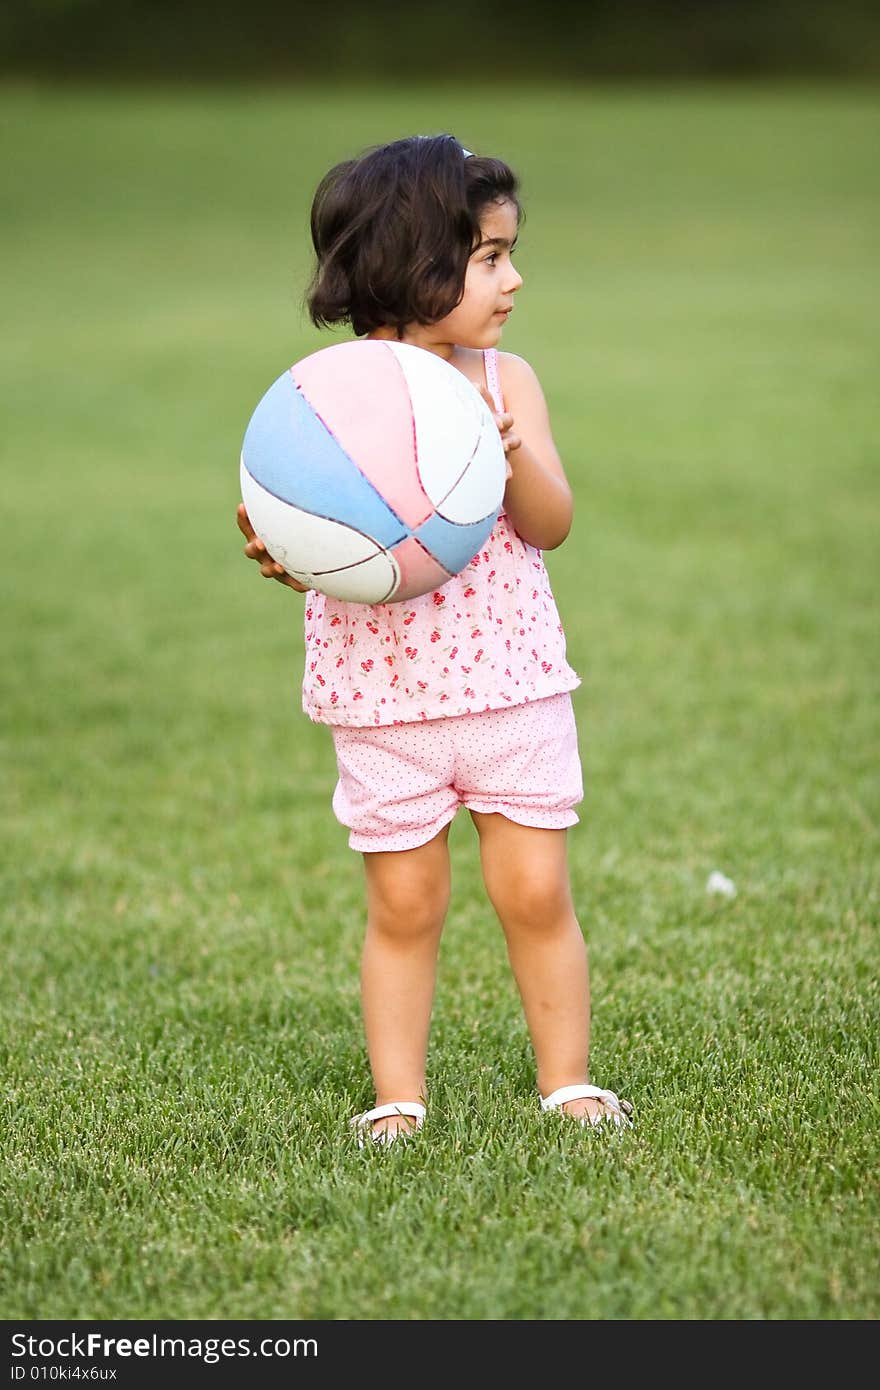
(372, 471)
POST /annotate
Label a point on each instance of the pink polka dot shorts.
(400, 784)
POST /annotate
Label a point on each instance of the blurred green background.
(181, 916)
(402, 40)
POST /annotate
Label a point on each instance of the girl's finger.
(244, 522)
(497, 415)
(503, 419)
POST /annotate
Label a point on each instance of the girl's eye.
(490, 260)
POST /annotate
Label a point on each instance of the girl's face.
(490, 284)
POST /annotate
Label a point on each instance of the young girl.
(462, 696)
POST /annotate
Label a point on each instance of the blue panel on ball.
(451, 544)
(293, 455)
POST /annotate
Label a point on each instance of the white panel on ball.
(314, 540)
(447, 414)
(480, 490)
(371, 581)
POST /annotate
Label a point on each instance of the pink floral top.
(489, 637)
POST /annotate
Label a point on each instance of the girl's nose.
(514, 280)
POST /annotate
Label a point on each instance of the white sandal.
(617, 1111)
(412, 1108)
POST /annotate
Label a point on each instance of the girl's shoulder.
(518, 377)
(514, 368)
(519, 380)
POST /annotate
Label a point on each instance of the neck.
(419, 335)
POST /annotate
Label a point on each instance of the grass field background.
(182, 919)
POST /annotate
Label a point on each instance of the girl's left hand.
(504, 421)
(256, 550)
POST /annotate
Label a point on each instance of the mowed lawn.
(182, 917)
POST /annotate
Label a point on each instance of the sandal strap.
(412, 1108)
(579, 1092)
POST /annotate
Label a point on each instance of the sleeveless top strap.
(493, 380)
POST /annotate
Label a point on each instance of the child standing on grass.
(462, 696)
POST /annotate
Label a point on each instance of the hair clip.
(468, 154)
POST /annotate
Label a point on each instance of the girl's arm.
(537, 498)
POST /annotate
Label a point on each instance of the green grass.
(182, 918)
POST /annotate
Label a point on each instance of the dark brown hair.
(393, 231)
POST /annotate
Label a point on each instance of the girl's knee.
(408, 892)
(533, 901)
(406, 917)
(525, 870)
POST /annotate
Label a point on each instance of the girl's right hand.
(510, 441)
(256, 550)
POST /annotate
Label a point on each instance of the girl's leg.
(525, 870)
(407, 898)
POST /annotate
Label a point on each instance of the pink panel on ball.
(360, 393)
(419, 571)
